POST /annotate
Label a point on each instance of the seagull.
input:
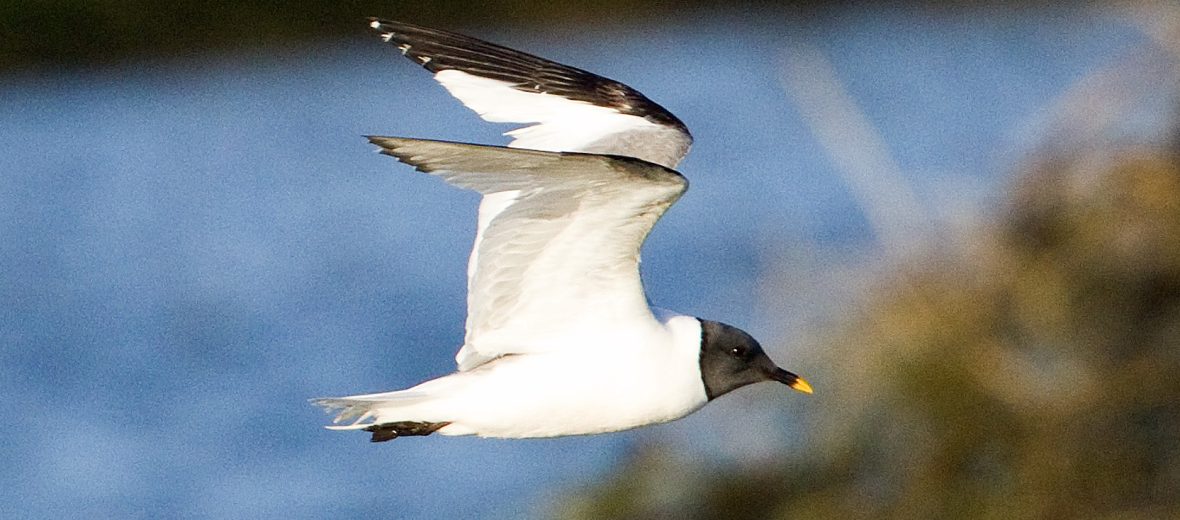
(560, 337)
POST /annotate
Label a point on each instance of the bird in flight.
(560, 338)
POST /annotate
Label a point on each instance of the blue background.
(193, 247)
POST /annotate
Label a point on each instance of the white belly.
(618, 382)
(545, 395)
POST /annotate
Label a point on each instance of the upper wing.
(572, 110)
(568, 109)
(563, 255)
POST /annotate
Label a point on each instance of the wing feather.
(528, 224)
(563, 255)
(572, 109)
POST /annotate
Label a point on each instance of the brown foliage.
(1036, 375)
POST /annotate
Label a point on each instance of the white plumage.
(560, 337)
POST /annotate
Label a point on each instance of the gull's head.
(731, 359)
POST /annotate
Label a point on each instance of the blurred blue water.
(192, 248)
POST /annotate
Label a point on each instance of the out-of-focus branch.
(1129, 100)
(1160, 21)
(860, 154)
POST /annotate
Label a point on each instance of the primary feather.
(567, 110)
(564, 253)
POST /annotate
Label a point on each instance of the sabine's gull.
(560, 337)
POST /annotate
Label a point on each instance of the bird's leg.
(389, 431)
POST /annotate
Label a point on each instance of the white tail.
(360, 408)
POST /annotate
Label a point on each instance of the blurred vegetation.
(72, 33)
(1034, 374)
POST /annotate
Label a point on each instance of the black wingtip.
(386, 144)
(388, 27)
(379, 24)
(381, 140)
(395, 147)
(437, 50)
(391, 29)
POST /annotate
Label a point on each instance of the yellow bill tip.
(801, 385)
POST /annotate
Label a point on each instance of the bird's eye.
(738, 351)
